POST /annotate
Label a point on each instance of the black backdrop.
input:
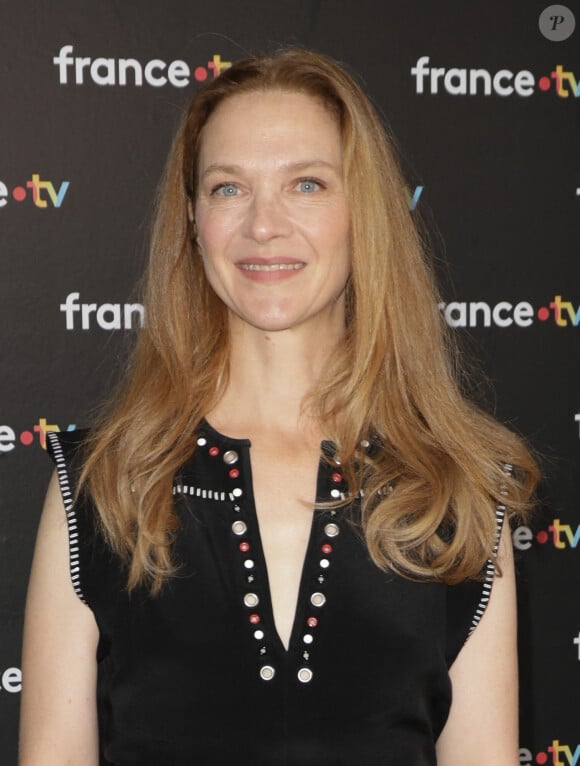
(497, 172)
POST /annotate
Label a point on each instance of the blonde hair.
(436, 472)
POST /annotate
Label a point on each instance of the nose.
(267, 217)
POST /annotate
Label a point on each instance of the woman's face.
(271, 214)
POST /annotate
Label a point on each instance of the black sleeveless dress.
(198, 675)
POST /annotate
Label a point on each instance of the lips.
(272, 266)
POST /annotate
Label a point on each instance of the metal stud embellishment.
(305, 675)
(267, 672)
(251, 600)
(318, 599)
(331, 530)
(239, 528)
(230, 457)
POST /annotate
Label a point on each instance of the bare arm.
(483, 723)
(58, 722)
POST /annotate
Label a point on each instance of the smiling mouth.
(271, 266)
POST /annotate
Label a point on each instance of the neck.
(271, 376)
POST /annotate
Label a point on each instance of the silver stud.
(251, 599)
(335, 493)
(250, 578)
(324, 563)
(318, 599)
(237, 508)
(230, 457)
(305, 675)
(249, 564)
(321, 579)
(306, 655)
(239, 528)
(267, 673)
(258, 635)
(202, 441)
(308, 638)
(262, 650)
(237, 492)
(332, 530)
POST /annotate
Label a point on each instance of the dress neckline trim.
(207, 428)
(327, 446)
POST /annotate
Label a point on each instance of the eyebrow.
(216, 167)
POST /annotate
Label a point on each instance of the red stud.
(326, 549)
(254, 619)
(234, 473)
(336, 477)
(244, 547)
(213, 451)
(312, 622)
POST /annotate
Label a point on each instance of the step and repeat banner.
(484, 100)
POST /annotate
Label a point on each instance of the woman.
(311, 606)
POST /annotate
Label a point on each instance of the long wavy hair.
(437, 468)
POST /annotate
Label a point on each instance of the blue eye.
(226, 190)
(308, 185)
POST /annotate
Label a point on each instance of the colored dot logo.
(544, 83)
(543, 313)
(542, 758)
(26, 438)
(542, 537)
(19, 193)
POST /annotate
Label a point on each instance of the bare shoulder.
(483, 723)
(58, 711)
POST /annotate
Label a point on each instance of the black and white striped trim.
(490, 566)
(205, 494)
(489, 572)
(71, 518)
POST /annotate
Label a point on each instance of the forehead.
(268, 124)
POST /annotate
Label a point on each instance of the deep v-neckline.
(310, 600)
(263, 562)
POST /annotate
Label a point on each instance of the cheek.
(328, 225)
(214, 230)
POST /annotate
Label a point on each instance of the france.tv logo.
(35, 434)
(44, 194)
(459, 81)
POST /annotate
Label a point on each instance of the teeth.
(271, 266)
